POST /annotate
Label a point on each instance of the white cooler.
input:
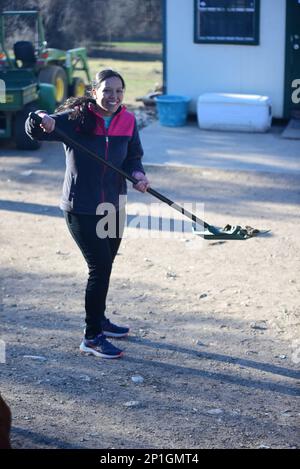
(240, 112)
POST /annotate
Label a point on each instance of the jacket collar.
(120, 110)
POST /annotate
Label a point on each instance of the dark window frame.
(256, 36)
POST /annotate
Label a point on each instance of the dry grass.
(140, 77)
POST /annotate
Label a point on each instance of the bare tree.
(72, 22)
(132, 19)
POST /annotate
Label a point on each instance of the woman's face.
(109, 95)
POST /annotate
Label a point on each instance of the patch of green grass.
(140, 77)
(131, 46)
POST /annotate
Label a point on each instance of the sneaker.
(100, 347)
(111, 330)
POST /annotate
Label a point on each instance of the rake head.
(229, 232)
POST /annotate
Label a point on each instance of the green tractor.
(33, 77)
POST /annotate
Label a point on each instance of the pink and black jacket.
(88, 183)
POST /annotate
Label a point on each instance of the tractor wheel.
(56, 76)
(23, 142)
(77, 88)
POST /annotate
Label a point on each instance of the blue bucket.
(172, 110)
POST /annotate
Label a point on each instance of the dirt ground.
(214, 326)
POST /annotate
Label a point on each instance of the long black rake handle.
(153, 192)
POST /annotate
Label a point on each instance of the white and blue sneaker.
(100, 347)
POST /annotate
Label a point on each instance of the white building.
(234, 46)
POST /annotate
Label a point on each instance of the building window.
(227, 21)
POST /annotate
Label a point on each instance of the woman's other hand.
(143, 182)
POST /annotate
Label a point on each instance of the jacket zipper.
(106, 158)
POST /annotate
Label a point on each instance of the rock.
(198, 342)
(203, 295)
(215, 411)
(60, 253)
(137, 379)
(148, 261)
(131, 403)
(171, 275)
(259, 325)
(85, 378)
(35, 357)
(26, 173)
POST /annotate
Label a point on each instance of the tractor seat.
(24, 51)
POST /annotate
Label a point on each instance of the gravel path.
(214, 349)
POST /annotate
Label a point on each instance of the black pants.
(99, 254)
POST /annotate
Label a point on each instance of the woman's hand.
(48, 123)
(143, 183)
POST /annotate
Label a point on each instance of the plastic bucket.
(172, 109)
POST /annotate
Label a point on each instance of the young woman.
(102, 124)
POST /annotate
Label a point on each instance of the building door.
(292, 62)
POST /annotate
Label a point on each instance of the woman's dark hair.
(104, 75)
(78, 107)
